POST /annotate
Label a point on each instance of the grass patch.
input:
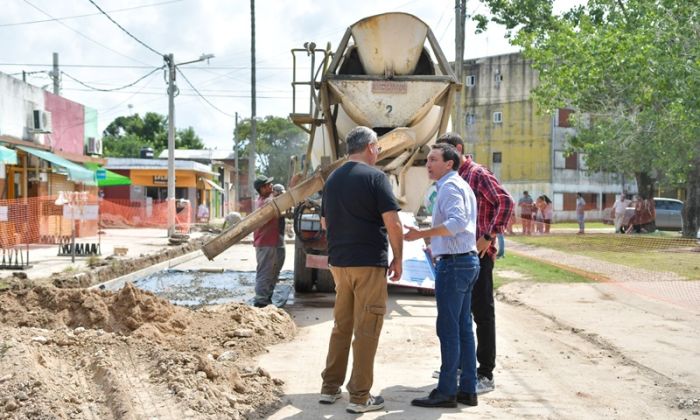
(574, 225)
(661, 252)
(516, 268)
(4, 285)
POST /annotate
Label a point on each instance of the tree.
(188, 139)
(631, 71)
(126, 135)
(278, 140)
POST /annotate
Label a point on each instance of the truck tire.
(303, 276)
(324, 281)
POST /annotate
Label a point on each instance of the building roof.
(133, 163)
(207, 155)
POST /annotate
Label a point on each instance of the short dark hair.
(358, 138)
(451, 138)
(449, 152)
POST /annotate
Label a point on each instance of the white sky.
(188, 28)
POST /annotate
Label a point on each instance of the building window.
(559, 159)
(470, 118)
(498, 117)
(497, 77)
(563, 117)
(591, 200)
(497, 156)
(571, 161)
(471, 80)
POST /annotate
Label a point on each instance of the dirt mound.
(123, 312)
(72, 353)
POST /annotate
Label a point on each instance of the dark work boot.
(435, 400)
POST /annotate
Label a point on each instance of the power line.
(85, 36)
(124, 66)
(87, 15)
(117, 88)
(202, 96)
(181, 94)
(122, 28)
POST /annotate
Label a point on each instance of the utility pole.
(172, 92)
(236, 180)
(170, 62)
(56, 76)
(253, 123)
(460, 18)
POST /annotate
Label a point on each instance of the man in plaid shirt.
(494, 207)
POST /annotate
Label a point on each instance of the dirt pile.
(69, 353)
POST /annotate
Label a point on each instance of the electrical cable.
(202, 96)
(124, 30)
(85, 36)
(117, 88)
(87, 15)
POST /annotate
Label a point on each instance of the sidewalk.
(44, 259)
(663, 286)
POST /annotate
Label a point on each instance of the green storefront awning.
(8, 156)
(75, 172)
(111, 179)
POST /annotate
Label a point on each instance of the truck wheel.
(324, 281)
(303, 276)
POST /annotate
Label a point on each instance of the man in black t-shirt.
(359, 212)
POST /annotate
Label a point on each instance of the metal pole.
(460, 17)
(72, 228)
(170, 61)
(236, 180)
(253, 124)
(56, 76)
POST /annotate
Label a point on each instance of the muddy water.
(195, 289)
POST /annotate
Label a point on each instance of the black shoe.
(434, 400)
(261, 304)
(467, 398)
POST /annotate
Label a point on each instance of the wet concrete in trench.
(194, 289)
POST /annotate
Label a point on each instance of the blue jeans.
(453, 292)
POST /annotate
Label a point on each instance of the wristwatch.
(487, 237)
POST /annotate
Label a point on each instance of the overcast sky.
(87, 40)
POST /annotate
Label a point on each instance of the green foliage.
(126, 135)
(278, 139)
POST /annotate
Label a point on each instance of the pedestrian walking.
(265, 241)
(619, 210)
(359, 212)
(494, 207)
(453, 245)
(525, 204)
(580, 213)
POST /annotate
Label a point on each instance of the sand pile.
(74, 353)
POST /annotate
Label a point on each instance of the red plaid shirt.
(494, 203)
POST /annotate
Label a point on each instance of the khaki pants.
(360, 305)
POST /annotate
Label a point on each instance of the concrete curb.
(119, 282)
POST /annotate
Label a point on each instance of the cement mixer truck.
(387, 73)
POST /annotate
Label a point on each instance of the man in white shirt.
(453, 244)
(621, 204)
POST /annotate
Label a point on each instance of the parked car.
(669, 214)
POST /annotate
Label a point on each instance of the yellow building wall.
(523, 138)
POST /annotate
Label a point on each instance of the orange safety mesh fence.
(659, 264)
(127, 213)
(39, 220)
